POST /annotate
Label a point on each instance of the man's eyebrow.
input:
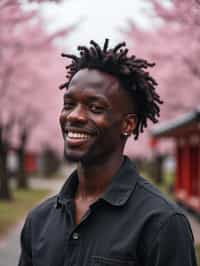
(98, 98)
(91, 98)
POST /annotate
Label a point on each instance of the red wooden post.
(194, 170)
(186, 169)
(178, 181)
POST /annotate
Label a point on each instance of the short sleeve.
(26, 254)
(173, 245)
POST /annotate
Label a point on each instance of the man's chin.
(72, 157)
(75, 158)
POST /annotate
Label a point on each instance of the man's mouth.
(74, 137)
(77, 135)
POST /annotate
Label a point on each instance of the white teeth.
(75, 135)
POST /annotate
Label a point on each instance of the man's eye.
(68, 106)
(97, 109)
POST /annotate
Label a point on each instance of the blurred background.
(33, 34)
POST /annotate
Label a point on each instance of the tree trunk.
(22, 180)
(5, 192)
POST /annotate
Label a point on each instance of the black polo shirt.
(131, 224)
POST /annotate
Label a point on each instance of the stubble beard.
(75, 158)
(88, 158)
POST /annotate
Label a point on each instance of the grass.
(11, 212)
(197, 248)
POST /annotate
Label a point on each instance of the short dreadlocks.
(129, 70)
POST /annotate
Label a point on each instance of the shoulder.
(36, 218)
(42, 210)
(159, 215)
(146, 198)
(153, 200)
(164, 228)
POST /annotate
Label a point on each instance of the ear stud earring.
(125, 134)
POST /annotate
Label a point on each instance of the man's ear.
(129, 124)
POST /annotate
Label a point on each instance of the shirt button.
(75, 236)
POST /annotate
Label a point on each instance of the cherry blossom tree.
(29, 75)
(173, 44)
(10, 16)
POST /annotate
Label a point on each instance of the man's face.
(92, 118)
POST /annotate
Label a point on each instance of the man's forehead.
(94, 78)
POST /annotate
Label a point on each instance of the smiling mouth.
(76, 138)
(77, 135)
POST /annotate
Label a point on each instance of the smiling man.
(106, 214)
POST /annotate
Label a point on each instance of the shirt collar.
(68, 190)
(122, 185)
(117, 193)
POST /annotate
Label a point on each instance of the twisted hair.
(129, 70)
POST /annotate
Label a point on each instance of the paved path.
(10, 247)
(195, 228)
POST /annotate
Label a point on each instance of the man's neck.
(96, 177)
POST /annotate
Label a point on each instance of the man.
(106, 214)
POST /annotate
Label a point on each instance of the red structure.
(186, 132)
(30, 162)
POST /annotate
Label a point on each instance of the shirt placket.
(73, 252)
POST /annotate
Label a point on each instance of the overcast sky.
(99, 19)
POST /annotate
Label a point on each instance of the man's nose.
(78, 114)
